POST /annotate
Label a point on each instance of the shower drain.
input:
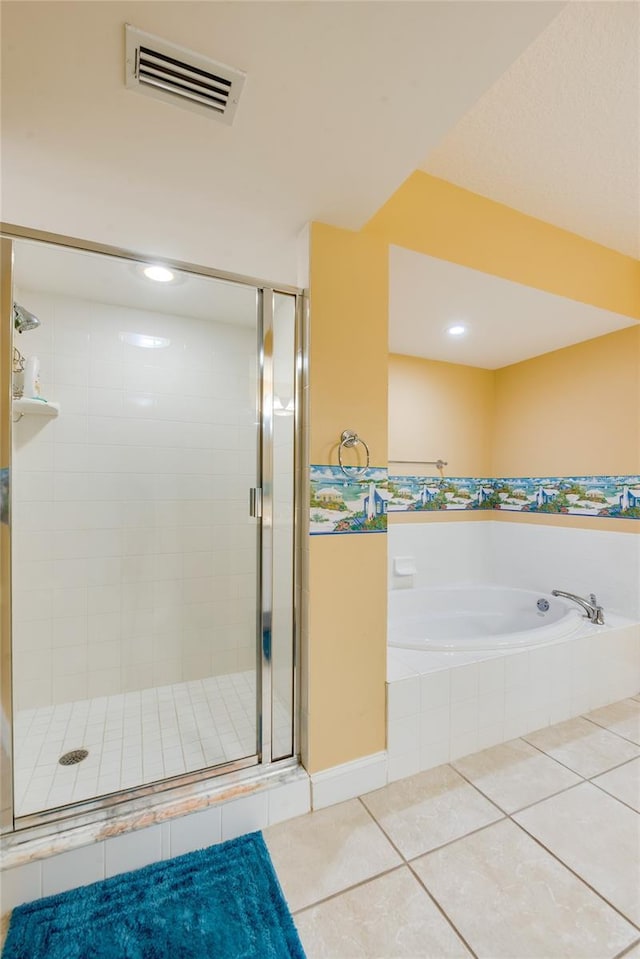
(73, 757)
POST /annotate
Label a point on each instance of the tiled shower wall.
(134, 556)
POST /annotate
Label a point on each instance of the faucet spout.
(594, 613)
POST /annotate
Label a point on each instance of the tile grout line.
(614, 732)
(342, 892)
(574, 873)
(520, 808)
(407, 863)
(441, 910)
(627, 950)
(548, 755)
(515, 812)
(611, 796)
(604, 772)
(507, 816)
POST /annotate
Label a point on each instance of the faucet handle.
(592, 597)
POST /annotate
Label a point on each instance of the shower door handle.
(255, 502)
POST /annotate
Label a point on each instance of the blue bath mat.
(223, 902)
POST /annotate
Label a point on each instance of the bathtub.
(471, 667)
(477, 618)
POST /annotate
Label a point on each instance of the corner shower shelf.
(24, 406)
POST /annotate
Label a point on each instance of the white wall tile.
(464, 683)
(78, 867)
(22, 884)
(524, 555)
(434, 754)
(444, 552)
(403, 698)
(435, 725)
(435, 689)
(245, 815)
(133, 850)
(404, 764)
(111, 483)
(578, 560)
(289, 800)
(195, 831)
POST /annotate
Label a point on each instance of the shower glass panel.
(135, 559)
(284, 433)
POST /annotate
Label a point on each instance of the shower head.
(24, 321)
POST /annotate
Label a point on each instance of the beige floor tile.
(583, 747)
(622, 718)
(623, 783)
(633, 953)
(391, 917)
(511, 900)
(427, 810)
(327, 851)
(515, 774)
(597, 837)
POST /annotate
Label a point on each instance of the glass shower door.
(136, 564)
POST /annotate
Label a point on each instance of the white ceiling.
(506, 322)
(558, 135)
(104, 279)
(342, 102)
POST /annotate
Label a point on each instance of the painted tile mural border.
(615, 497)
(356, 503)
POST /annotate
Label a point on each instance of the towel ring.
(348, 440)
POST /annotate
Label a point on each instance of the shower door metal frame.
(6, 683)
(93, 810)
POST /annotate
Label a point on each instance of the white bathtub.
(458, 618)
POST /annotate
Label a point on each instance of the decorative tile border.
(611, 496)
(347, 504)
(421, 493)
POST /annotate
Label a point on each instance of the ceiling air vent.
(169, 72)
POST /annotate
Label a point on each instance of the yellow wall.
(345, 664)
(440, 411)
(345, 645)
(572, 412)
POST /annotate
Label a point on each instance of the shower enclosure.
(149, 548)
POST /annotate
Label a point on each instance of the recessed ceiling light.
(456, 330)
(158, 273)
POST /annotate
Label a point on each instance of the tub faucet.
(595, 613)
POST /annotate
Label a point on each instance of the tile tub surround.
(473, 881)
(442, 706)
(133, 551)
(522, 555)
(138, 737)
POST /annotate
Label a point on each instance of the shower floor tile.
(136, 737)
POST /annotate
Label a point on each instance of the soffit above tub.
(341, 103)
(506, 321)
(558, 135)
